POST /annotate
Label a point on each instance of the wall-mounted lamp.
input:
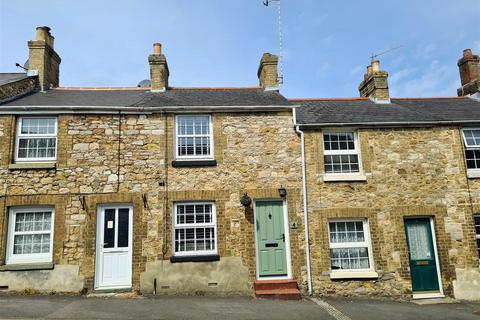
(245, 200)
(282, 192)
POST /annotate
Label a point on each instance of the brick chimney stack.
(469, 67)
(43, 60)
(375, 84)
(268, 72)
(158, 69)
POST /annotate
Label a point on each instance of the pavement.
(232, 308)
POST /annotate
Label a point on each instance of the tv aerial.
(266, 3)
(374, 56)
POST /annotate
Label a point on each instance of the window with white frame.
(350, 248)
(36, 139)
(477, 232)
(194, 229)
(30, 235)
(471, 139)
(341, 152)
(194, 138)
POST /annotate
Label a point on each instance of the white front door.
(114, 247)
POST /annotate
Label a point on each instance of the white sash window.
(30, 235)
(36, 139)
(195, 229)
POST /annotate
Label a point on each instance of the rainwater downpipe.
(305, 202)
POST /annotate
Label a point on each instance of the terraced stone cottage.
(171, 190)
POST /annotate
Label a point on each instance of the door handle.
(283, 237)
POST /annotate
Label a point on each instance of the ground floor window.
(477, 232)
(350, 248)
(195, 229)
(30, 235)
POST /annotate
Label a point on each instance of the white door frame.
(433, 294)
(287, 240)
(100, 240)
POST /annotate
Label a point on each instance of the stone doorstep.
(277, 290)
(278, 294)
(445, 300)
(115, 294)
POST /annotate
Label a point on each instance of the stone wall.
(18, 88)
(410, 172)
(127, 159)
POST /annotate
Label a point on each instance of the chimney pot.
(43, 33)
(467, 53)
(157, 48)
(375, 66)
(369, 70)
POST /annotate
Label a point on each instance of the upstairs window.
(477, 232)
(36, 139)
(194, 137)
(471, 139)
(341, 152)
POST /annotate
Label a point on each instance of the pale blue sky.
(327, 44)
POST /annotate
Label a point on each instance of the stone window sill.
(353, 275)
(27, 267)
(344, 177)
(473, 174)
(193, 163)
(206, 258)
(32, 165)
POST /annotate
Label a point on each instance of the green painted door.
(271, 248)
(423, 267)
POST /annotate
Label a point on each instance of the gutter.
(387, 124)
(136, 110)
(305, 202)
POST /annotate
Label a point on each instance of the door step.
(277, 290)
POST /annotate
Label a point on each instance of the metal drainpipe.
(305, 203)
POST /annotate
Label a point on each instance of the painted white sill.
(433, 295)
(353, 275)
(344, 177)
(472, 174)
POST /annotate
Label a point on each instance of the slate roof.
(362, 111)
(142, 97)
(6, 78)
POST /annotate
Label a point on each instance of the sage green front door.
(423, 267)
(271, 247)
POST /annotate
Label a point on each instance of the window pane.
(341, 163)
(472, 137)
(109, 229)
(349, 258)
(123, 227)
(350, 231)
(36, 147)
(473, 158)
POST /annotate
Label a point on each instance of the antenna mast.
(266, 3)
(376, 55)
